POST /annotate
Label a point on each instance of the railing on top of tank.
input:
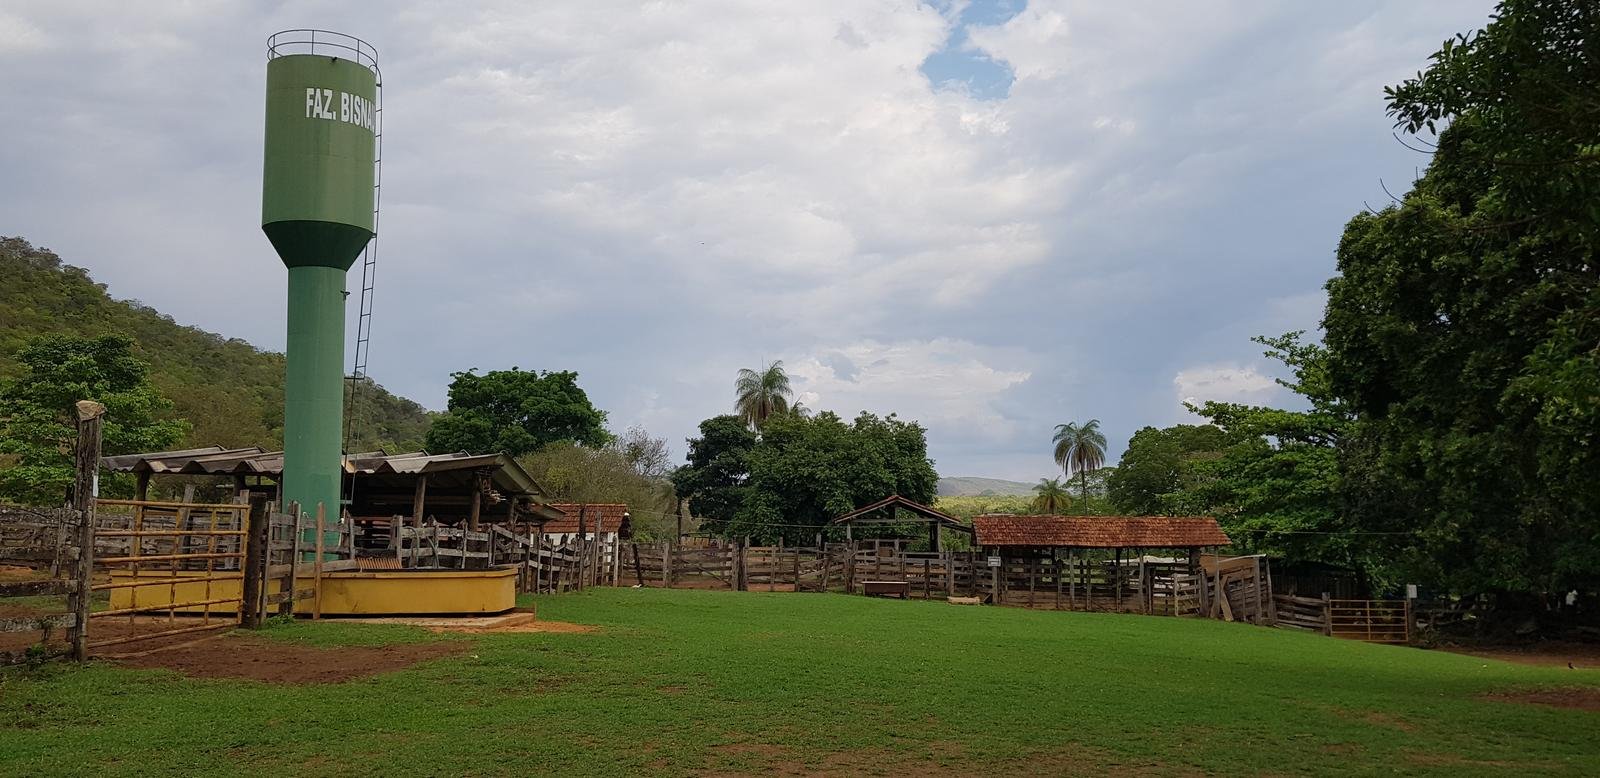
(334, 44)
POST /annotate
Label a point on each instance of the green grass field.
(683, 682)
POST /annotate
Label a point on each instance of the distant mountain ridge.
(969, 486)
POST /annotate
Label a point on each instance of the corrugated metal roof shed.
(505, 474)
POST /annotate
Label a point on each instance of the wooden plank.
(33, 623)
(38, 588)
(163, 606)
(162, 634)
(34, 554)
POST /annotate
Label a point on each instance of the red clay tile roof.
(1099, 531)
(608, 516)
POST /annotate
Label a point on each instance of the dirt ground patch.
(1578, 656)
(1574, 697)
(931, 760)
(256, 659)
(535, 626)
(1455, 762)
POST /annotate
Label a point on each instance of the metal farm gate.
(162, 560)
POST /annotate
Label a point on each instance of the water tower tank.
(317, 210)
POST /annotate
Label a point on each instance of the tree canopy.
(1160, 463)
(801, 472)
(761, 394)
(1080, 448)
(516, 412)
(1462, 325)
(37, 421)
(230, 392)
(1050, 497)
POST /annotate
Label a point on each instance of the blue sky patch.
(959, 66)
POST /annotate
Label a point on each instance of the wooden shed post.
(994, 579)
(1072, 578)
(475, 511)
(1118, 568)
(418, 501)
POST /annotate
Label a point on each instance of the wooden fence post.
(316, 568)
(255, 560)
(666, 565)
(1327, 615)
(85, 486)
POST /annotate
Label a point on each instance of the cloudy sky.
(991, 218)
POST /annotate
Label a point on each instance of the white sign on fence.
(994, 561)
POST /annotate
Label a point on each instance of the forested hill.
(230, 391)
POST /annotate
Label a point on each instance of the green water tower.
(317, 208)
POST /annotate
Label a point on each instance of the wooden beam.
(87, 461)
(419, 499)
(255, 560)
(477, 503)
(141, 489)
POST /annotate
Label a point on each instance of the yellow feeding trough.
(415, 592)
(342, 593)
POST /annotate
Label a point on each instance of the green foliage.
(805, 471)
(38, 417)
(967, 506)
(680, 683)
(1274, 487)
(762, 394)
(1080, 448)
(229, 392)
(719, 464)
(516, 412)
(627, 470)
(1463, 322)
(1158, 463)
(1050, 497)
(801, 472)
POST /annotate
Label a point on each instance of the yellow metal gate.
(170, 568)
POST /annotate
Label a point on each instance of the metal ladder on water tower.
(369, 270)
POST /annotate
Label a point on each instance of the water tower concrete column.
(317, 209)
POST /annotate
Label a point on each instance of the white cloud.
(1224, 383)
(657, 193)
(948, 385)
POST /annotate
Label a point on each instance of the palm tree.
(1079, 449)
(1050, 496)
(761, 395)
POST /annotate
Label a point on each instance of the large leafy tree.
(1080, 448)
(713, 481)
(802, 471)
(1274, 485)
(1050, 497)
(1463, 324)
(620, 471)
(516, 412)
(762, 394)
(37, 426)
(1159, 463)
